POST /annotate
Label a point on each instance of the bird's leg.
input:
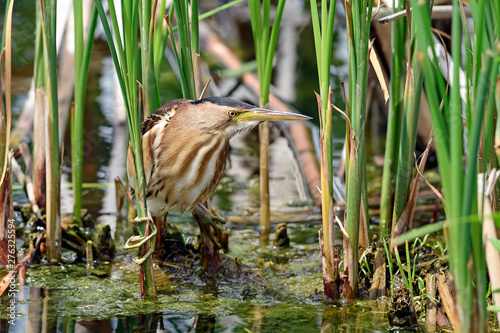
(207, 219)
(210, 232)
(162, 232)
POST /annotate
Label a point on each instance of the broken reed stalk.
(323, 35)
(358, 14)
(431, 304)
(447, 301)
(81, 64)
(265, 40)
(125, 59)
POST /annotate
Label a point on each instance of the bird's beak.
(258, 114)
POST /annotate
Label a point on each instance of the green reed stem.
(4, 116)
(6, 111)
(265, 40)
(77, 114)
(4, 31)
(49, 12)
(195, 26)
(82, 62)
(407, 277)
(398, 37)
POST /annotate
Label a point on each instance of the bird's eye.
(231, 113)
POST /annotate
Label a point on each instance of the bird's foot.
(136, 241)
(211, 233)
(208, 221)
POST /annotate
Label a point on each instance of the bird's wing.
(161, 116)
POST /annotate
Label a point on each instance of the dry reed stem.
(378, 288)
(296, 217)
(197, 74)
(119, 196)
(363, 240)
(430, 289)
(25, 180)
(381, 75)
(447, 300)
(7, 235)
(265, 204)
(331, 289)
(5, 282)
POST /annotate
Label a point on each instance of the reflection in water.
(38, 310)
(204, 322)
(112, 107)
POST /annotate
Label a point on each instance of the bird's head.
(228, 116)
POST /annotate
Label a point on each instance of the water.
(277, 291)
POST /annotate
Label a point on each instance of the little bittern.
(185, 147)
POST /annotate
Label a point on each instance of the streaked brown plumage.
(185, 147)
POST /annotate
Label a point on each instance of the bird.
(185, 146)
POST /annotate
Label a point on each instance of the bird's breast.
(188, 176)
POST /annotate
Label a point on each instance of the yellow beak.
(258, 114)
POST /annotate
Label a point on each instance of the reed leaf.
(147, 28)
(159, 40)
(408, 138)
(185, 55)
